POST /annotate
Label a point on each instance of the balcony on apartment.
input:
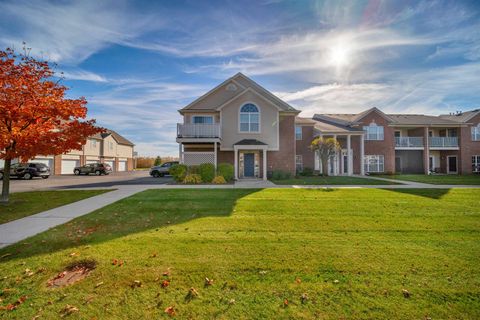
(417, 143)
(198, 130)
(409, 143)
(442, 142)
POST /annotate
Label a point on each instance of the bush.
(219, 180)
(281, 175)
(178, 171)
(193, 170)
(307, 172)
(207, 172)
(192, 179)
(226, 171)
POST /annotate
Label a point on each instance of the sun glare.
(339, 55)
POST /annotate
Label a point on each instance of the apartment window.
(93, 144)
(373, 132)
(475, 163)
(202, 119)
(298, 133)
(374, 163)
(476, 133)
(249, 118)
(299, 163)
(398, 134)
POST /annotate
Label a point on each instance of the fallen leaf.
(99, 284)
(68, 310)
(298, 280)
(170, 311)
(405, 293)
(304, 298)
(208, 282)
(192, 294)
(165, 283)
(13, 306)
(74, 254)
(136, 284)
(285, 302)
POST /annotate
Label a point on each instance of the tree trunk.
(325, 167)
(6, 181)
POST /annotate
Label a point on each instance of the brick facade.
(303, 147)
(468, 148)
(284, 159)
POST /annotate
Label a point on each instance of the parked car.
(28, 170)
(96, 168)
(162, 170)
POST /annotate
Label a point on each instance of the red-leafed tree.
(35, 116)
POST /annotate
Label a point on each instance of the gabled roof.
(249, 84)
(419, 119)
(461, 116)
(120, 139)
(250, 142)
(363, 114)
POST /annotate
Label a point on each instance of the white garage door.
(45, 161)
(69, 165)
(111, 163)
(2, 163)
(122, 165)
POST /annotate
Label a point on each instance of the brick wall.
(468, 148)
(130, 164)
(303, 147)
(284, 159)
(57, 164)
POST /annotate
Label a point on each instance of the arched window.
(373, 132)
(249, 118)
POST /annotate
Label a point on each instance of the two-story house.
(241, 123)
(108, 147)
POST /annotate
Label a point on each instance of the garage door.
(122, 165)
(69, 165)
(2, 163)
(111, 163)
(45, 161)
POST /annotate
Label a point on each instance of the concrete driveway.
(71, 181)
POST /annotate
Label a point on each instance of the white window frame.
(249, 118)
(374, 132)
(93, 144)
(476, 133)
(201, 116)
(377, 166)
(298, 135)
(476, 163)
(299, 162)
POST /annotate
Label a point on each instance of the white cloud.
(81, 75)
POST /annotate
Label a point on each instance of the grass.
(350, 251)
(334, 180)
(24, 204)
(438, 179)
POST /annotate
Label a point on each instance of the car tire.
(1, 175)
(76, 172)
(45, 177)
(155, 174)
(98, 173)
(27, 176)
(162, 174)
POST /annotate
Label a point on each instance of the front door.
(249, 165)
(452, 164)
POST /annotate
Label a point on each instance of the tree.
(35, 116)
(326, 148)
(158, 161)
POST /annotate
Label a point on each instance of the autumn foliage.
(35, 115)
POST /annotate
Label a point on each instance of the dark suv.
(28, 170)
(96, 168)
(162, 170)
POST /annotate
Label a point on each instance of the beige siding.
(124, 151)
(218, 97)
(268, 122)
(109, 147)
(92, 149)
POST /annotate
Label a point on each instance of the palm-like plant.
(326, 148)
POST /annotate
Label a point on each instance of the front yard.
(333, 180)
(438, 179)
(272, 254)
(24, 204)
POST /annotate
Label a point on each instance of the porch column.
(349, 156)
(362, 154)
(215, 155)
(426, 152)
(335, 160)
(180, 153)
(265, 164)
(235, 162)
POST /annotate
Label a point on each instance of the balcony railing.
(443, 142)
(409, 142)
(191, 130)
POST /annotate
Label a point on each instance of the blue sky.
(138, 62)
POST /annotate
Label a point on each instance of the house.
(241, 123)
(108, 147)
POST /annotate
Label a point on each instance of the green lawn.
(319, 180)
(350, 252)
(24, 204)
(438, 179)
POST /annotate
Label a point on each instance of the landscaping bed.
(257, 254)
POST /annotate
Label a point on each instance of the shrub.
(226, 171)
(207, 172)
(307, 172)
(193, 170)
(219, 180)
(178, 171)
(192, 179)
(281, 175)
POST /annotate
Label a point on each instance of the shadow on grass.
(147, 210)
(427, 193)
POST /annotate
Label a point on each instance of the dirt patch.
(74, 272)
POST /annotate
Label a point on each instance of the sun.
(339, 55)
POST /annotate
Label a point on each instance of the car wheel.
(76, 172)
(162, 174)
(155, 174)
(27, 176)
(45, 177)
(1, 175)
(98, 172)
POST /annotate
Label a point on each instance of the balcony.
(443, 142)
(191, 130)
(409, 142)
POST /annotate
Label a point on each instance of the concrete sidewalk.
(18, 230)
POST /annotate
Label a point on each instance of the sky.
(138, 62)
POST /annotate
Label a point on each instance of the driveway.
(71, 181)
